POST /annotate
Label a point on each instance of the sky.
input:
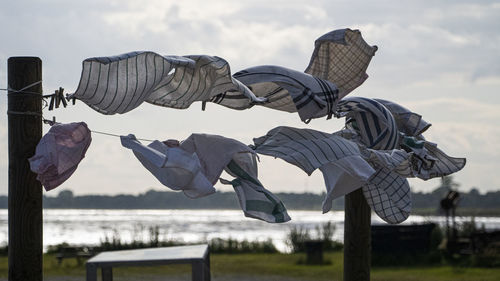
(440, 59)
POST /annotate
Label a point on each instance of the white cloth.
(172, 166)
(118, 84)
(341, 57)
(214, 152)
(346, 165)
(255, 201)
(59, 152)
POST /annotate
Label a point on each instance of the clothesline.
(52, 122)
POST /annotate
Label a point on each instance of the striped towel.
(255, 201)
(292, 91)
(376, 171)
(372, 120)
(118, 84)
(428, 160)
(121, 83)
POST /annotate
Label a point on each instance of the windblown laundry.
(380, 147)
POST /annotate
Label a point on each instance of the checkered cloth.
(358, 167)
(371, 153)
(118, 84)
(342, 57)
(59, 152)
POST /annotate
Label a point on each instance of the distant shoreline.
(426, 212)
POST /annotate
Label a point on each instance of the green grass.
(277, 265)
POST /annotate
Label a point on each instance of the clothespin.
(50, 122)
(61, 97)
(56, 98)
(51, 106)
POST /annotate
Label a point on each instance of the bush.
(233, 246)
(297, 236)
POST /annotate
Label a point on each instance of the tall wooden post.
(357, 239)
(25, 192)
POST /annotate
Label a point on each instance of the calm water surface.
(79, 226)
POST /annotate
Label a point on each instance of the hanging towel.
(172, 166)
(345, 165)
(59, 152)
(118, 84)
(341, 57)
(255, 201)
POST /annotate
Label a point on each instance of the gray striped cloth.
(255, 201)
(374, 122)
(118, 84)
(428, 160)
(386, 191)
(372, 152)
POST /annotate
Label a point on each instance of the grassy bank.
(269, 266)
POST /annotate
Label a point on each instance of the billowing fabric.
(409, 123)
(121, 83)
(255, 201)
(346, 166)
(373, 121)
(118, 84)
(172, 166)
(59, 152)
(341, 57)
(214, 152)
(292, 91)
(428, 160)
(195, 165)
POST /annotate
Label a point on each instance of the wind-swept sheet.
(195, 165)
(118, 84)
(346, 166)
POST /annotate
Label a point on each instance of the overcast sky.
(439, 58)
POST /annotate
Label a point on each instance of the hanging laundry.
(59, 152)
(289, 90)
(195, 165)
(255, 201)
(341, 57)
(119, 84)
(346, 166)
(172, 166)
(372, 153)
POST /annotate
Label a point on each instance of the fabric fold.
(59, 152)
(255, 201)
(172, 166)
(341, 57)
(118, 84)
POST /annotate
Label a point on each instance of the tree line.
(152, 199)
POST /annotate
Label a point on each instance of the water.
(90, 227)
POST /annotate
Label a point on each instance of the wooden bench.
(196, 255)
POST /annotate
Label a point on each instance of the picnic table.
(196, 255)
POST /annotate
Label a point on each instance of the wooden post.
(25, 192)
(357, 240)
